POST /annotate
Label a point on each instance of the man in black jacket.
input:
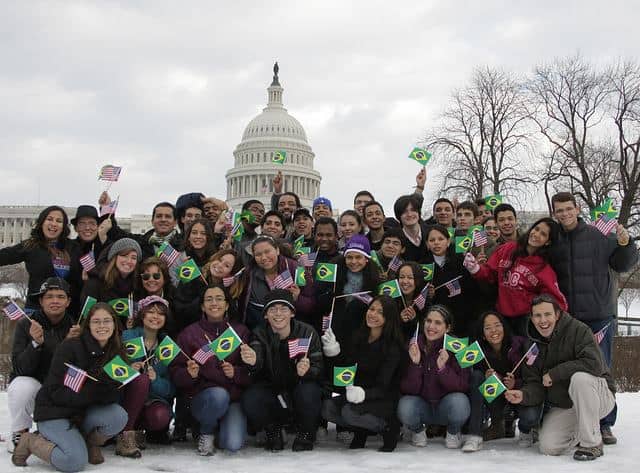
(34, 342)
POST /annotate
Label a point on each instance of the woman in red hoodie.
(522, 271)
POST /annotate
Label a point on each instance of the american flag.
(364, 298)
(109, 173)
(203, 354)
(282, 280)
(326, 322)
(421, 300)
(480, 238)
(599, 335)
(229, 280)
(88, 261)
(307, 260)
(169, 254)
(605, 224)
(13, 311)
(110, 208)
(532, 354)
(74, 378)
(298, 346)
(454, 288)
(395, 264)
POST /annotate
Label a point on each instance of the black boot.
(510, 415)
(359, 439)
(390, 436)
(303, 442)
(275, 443)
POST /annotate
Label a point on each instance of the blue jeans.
(451, 411)
(213, 406)
(606, 347)
(70, 453)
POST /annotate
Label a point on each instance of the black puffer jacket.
(56, 401)
(583, 259)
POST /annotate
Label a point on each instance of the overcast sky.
(165, 89)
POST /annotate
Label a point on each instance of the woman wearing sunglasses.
(154, 280)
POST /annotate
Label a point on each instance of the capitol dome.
(271, 131)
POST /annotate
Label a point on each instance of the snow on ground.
(331, 457)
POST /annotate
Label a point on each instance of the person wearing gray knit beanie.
(122, 245)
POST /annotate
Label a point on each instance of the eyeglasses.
(209, 300)
(91, 224)
(281, 309)
(103, 322)
(147, 276)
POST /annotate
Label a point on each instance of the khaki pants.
(565, 428)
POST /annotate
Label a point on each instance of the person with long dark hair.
(73, 425)
(522, 271)
(368, 406)
(411, 281)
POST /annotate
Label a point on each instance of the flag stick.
(403, 301)
(523, 358)
(352, 294)
(443, 285)
(308, 346)
(88, 375)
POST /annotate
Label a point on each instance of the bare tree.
(17, 277)
(484, 137)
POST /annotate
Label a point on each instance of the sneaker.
(205, 445)
(525, 440)
(607, 436)
(472, 444)
(588, 453)
(453, 440)
(419, 439)
(13, 443)
(345, 436)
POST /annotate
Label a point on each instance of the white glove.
(355, 394)
(470, 263)
(330, 345)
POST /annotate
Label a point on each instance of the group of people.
(287, 320)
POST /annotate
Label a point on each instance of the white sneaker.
(472, 444)
(205, 445)
(345, 436)
(525, 440)
(419, 439)
(12, 441)
(453, 440)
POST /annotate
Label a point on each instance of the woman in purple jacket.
(434, 385)
(213, 386)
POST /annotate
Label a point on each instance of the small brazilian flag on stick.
(390, 288)
(492, 201)
(120, 306)
(226, 343)
(248, 217)
(375, 258)
(344, 375)
(470, 355)
(326, 272)
(463, 243)
(492, 388)
(473, 229)
(451, 231)
(188, 271)
(607, 208)
(167, 350)
(428, 269)
(135, 348)
(420, 156)
(300, 278)
(120, 371)
(88, 304)
(279, 157)
(453, 344)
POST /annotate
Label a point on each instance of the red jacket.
(518, 285)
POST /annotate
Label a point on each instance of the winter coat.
(26, 360)
(429, 382)
(57, 401)
(190, 341)
(506, 360)
(529, 277)
(413, 252)
(570, 349)
(582, 258)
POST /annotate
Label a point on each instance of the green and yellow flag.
(451, 231)
(344, 375)
(492, 201)
(298, 242)
(300, 279)
(120, 306)
(453, 344)
(279, 157)
(135, 348)
(247, 216)
(326, 272)
(375, 258)
(188, 271)
(226, 343)
(473, 229)
(89, 302)
(237, 231)
(420, 156)
(390, 288)
(428, 269)
(120, 371)
(463, 243)
(607, 208)
(470, 355)
(167, 350)
(492, 388)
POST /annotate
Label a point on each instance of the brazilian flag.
(492, 388)
(300, 279)
(226, 343)
(279, 157)
(344, 375)
(326, 272)
(188, 271)
(237, 231)
(167, 350)
(375, 258)
(247, 216)
(607, 208)
(119, 371)
(428, 269)
(298, 242)
(492, 201)
(470, 355)
(473, 229)
(120, 306)
(420, 156)
(453, 344)
(463, 243)
(303, 250)
(88, 304)
(452, 231)
(390, 288)
(135, 348)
